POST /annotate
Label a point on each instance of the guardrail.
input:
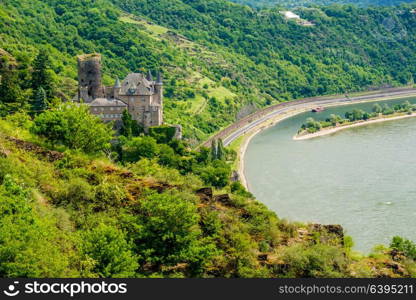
(268, 110)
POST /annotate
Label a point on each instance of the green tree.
(217, 174)
(74, 126)
(167, 156)
(358, 114)
(113, 254)
(406, 246)
(334, 119)
(41, 75)
(168, 232)
(203, 155)
(40, 102)
(406, 105)
(377, 108)
(214, 149)
(387, 110)
(139, 147)
(221, 152)
(11, 95)
(126, 128)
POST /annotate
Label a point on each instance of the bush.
(75, 127)
(406, 246)
(139, 147)
(162, 134)
(218, 174)
(112, 254)
(76, 193)
(30, 244)
(108, 195)
(168, 232)
(313, 261)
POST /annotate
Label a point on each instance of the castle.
(140, 95)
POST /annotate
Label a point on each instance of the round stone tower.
(89, 77)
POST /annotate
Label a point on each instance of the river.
(363, 178)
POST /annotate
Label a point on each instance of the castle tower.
(89, 77)
(159, 88)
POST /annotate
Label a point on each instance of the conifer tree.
(41, 76)
(220, 150)
(40, 103)
(126, 128)
(214, 149)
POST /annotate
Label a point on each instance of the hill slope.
(78, 201)
(68, 214)
(297, 3)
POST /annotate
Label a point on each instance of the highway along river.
(363, 178)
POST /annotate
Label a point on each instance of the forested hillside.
(220, 60)
(306, 3)
(71, 205)
(79, 200)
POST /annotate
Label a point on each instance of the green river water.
(363, 178)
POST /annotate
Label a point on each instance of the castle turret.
(159, 88)
(116, 88)
(149, 76)
(159, 98)
(89, 77)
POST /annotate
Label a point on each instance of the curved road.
(295, 105)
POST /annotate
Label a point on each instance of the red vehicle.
(318, 109)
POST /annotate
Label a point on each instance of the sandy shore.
(271, 122)
(358, 124)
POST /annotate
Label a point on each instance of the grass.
(154, 30)
(220, 93)
(236, 146)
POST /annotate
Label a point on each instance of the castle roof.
(117, 84)
(107, 102)
(136, 84)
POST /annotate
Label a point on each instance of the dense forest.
(221, 61)
(309, 3)
(76, 200)
(79, 200)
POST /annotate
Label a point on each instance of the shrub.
(139, 147)
(218, 174)
(75, 127)
(406, 246)
(313, 261)
(168, 232)
(162, 134)
(30, 245)
(76, 193)
(112, 253)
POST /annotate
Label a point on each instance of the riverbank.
(241, 142)
(332, 130)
